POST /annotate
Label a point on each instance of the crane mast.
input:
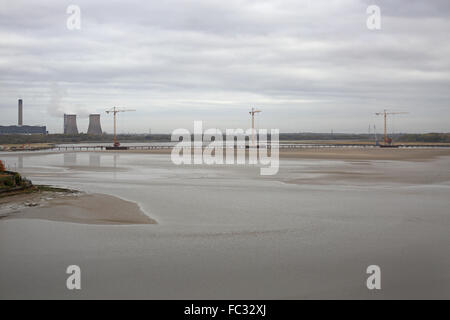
(385, 113)
(253, 124)
(114, 111)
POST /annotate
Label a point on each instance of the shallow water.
(227, 232)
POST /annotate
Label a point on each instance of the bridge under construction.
(281, 146)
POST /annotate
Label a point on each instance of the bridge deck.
(281, 146)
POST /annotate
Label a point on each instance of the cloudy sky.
(308, 65)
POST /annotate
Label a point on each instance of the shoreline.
(335, 153)
(83, 208)
(308, 152)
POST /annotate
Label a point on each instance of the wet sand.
(365, 154)
(77, 208)
(339, 153)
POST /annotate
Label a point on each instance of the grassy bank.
(12, 183)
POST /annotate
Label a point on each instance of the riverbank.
(26, 146)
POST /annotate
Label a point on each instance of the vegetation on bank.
(13, 183)
(82, 137)
(44, 187)
(398, 137)
(426, 137)
(77, 138)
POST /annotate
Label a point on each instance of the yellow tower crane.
(114, 111)
(385, 113)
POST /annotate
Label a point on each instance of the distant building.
(23, 130)
(20, 118)
(20, 128)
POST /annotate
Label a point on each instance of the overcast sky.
(308, 65)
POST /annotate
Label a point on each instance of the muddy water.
(227, 232)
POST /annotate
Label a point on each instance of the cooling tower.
(70, 124)
(20, 120)
(94, 124)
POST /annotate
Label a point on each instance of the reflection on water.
(20, 161)
(94, 160)
(70, 158)
(115, 157)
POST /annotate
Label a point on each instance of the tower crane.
(253, 124)
(114, 111)
(385, 113)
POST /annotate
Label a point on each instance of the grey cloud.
(301, 58)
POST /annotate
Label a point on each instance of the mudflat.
(77, 208)
(339, 153)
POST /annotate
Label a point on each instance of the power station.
(70, 124)
(20, 128)
(71, 127)
(94, 124)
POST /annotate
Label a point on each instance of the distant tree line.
(425, 137)
(82, 137)
(400, 137)
(77, 138)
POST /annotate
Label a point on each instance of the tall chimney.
(20, 122)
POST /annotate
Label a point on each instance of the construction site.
(27, 135)
(70, 127)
